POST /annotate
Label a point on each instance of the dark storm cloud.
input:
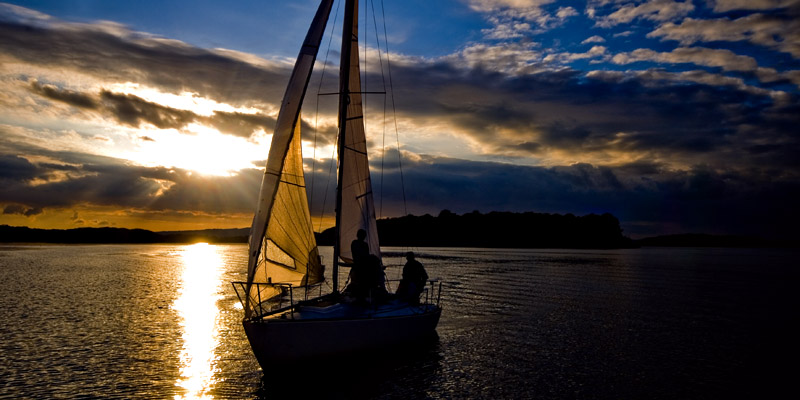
(70, 97)
(509, 114)
(16, 169)
(651, 112)
(106, 181)
(21, 210)
(134, 111)
(240, 124)
(647, 197)
(110, 52)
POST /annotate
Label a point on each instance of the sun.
(203, 150)
(195, 146)
(198, 147)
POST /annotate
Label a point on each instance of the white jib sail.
(357, 206)
(282, 245)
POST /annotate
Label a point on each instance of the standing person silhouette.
(359, 247)
(360, 279)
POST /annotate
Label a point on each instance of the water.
(162, 321)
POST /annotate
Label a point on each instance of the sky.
(674, 116)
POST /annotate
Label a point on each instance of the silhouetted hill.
(237, 235)
(495, 229)
(499, 229)
(119, 235)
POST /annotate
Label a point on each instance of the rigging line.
(383, 81)
(355, 150)
(394, 112)
(327, 181)
(351, 91)
(365, 81)
(313, 162)
(293, 184)
(316, 111)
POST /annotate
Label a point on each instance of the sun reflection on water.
(197, 307)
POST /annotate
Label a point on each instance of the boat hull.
(291, 340)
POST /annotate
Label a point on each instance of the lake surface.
(162, 321)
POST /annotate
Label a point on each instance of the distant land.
(499, 230)
(492, 230)
(20, 234)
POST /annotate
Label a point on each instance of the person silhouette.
(359, 247)
(414, 279)
(360, 277)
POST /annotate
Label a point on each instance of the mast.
(350, 10)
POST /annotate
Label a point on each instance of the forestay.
(282, 245)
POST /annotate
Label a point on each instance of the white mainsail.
(282, 244)
(357, 208)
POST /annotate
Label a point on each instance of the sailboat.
(287, 318)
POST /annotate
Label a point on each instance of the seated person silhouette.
(413, 282)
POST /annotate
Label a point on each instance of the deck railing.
(432, 291)
(283, 301)
(290, 296)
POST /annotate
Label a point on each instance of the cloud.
(105, 181)
(685, 147)
(239, 124)
(21, 210)
(730, 5)
(110, 52)
(16, 168)
(558, 115)
(66, 96)
(565, 58)
(726, 59)
(594, 39)
(777, 32)
(134, 111)
(518, 18)
(702, 77)
(508, 58)
(131, 110)
(507, 30)
(642, 194)
(654, 10)
(722, 58)
(566, 12)
(498, 5)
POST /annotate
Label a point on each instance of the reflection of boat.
(283, 260)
